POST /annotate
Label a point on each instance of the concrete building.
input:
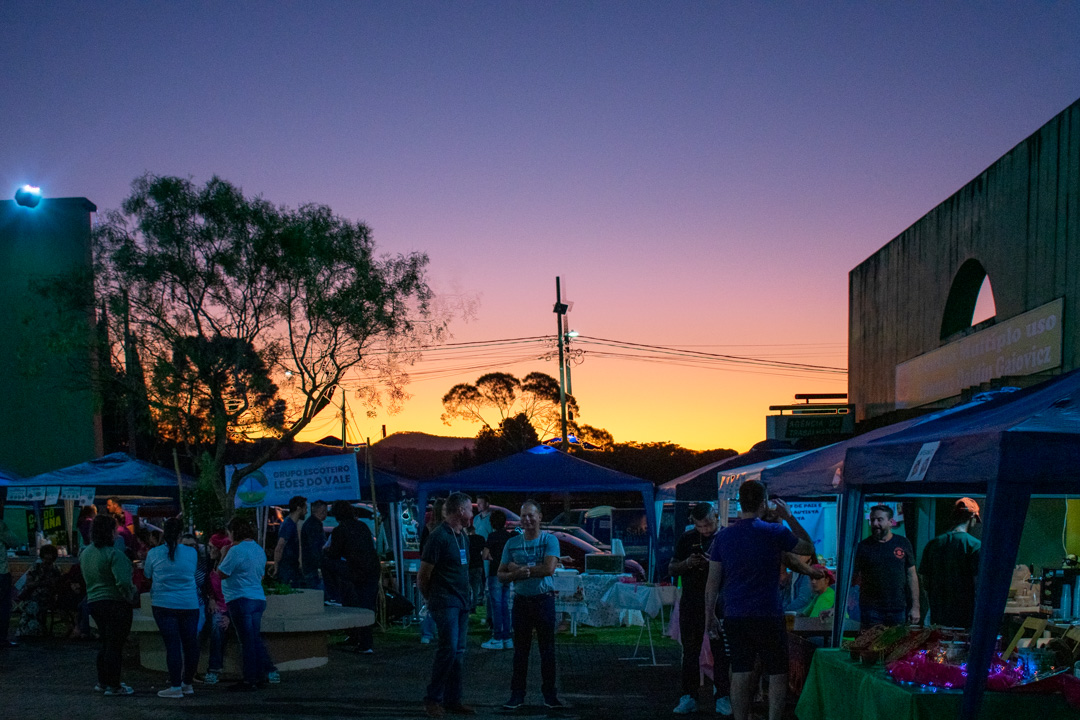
(911, 340)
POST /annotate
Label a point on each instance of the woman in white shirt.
(241, 573)
(171, 567)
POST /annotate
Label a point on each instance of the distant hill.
(419, 455)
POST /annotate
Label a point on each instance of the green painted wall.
(48, 416)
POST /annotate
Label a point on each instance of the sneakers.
(187, 689)
(425, 640)
(273, 677)
(553, 704)
(492, 644)
(513, 703)
(212, 677)
(122, 690)
(687, 704)
(723, 705)
(171, 692)
(508, 644)
(98, 687)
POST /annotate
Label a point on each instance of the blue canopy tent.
(1010, 447)
(115, 474)
(700, 484)
(541, 469)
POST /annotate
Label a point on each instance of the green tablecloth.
(838, 689)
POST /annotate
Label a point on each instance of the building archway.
(970, 289)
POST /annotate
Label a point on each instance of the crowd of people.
(737, 583)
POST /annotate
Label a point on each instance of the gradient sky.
(699, 174)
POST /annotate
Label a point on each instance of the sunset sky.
(702, 175)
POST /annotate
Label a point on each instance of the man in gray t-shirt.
(443, 580)
(529, 561)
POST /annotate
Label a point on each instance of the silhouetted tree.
(494, 397)
(248, 316)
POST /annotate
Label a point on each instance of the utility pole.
(344, 419)
(560, 313)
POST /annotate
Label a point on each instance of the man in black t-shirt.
(885, 568)
(691, 562)
(443, 580)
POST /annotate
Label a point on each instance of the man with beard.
(885, 568)
(691, 563)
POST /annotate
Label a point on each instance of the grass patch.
(586, 635)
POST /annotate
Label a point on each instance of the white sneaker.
(492, 644)
(508, 644)
(172, 692)
(723, 705)
(687, 704)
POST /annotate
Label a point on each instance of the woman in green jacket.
(109, 590)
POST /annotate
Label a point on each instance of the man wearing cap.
(950, 568)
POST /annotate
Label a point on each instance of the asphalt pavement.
(54, 679)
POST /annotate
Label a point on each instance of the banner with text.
(1023, 345)
(334, 477)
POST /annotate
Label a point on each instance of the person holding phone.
(690, 562)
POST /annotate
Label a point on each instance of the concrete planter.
(294, 627)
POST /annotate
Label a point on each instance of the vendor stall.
(839, 688)
(1009, 447)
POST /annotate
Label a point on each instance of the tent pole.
(850, 513)
(1004, 513)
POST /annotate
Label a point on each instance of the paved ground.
(53, 679)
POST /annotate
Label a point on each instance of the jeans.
(219, 639)
(246, 614)
(692, 635)
(448, 671)
(874, 616)
(534, 612)
(312, 581)
(5, 605)
(499, 607)
(180, 631)
(113, 618)
(476, 581)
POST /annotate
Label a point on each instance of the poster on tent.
(819, 521)
(32, 493)
(330, 478)
(81, 496)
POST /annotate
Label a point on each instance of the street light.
(28, 196)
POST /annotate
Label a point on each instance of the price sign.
(922, 461)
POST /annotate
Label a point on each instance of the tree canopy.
(497, 396)
(248, 316)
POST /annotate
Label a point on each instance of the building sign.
(1023, 345)
(794, 427)
(334, 477)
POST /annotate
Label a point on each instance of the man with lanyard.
(691, 562)
(529, 560)
(746, 556)
(950, 568)
(884, 566)
(287, 550)
(443, 580)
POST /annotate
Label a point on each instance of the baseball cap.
(968, 505)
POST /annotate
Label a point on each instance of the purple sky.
(699, 174)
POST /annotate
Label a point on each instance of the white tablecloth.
(582, 596)
(646, 598)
